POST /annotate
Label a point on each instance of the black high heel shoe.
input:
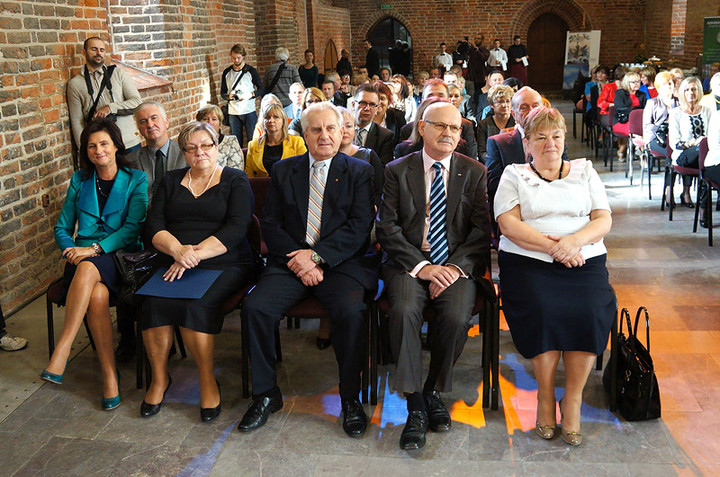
(207, 414)
(148, 410)
(687, 204)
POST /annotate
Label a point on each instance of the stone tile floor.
(61, 431)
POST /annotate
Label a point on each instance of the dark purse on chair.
(135, 269)
(638, 394)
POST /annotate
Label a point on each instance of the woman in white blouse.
(553, 215)
(712, 160)
(230, 152)
(688, 125)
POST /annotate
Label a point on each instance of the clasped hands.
(186, 257)
(440, 278)
(302, 265)
(75, 255)
(566, 250)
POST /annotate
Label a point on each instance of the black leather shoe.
(703, 223)
(125, 351)
(437, 412)
(207, 414)
(354, 418)
(148, 410)
(322, 343)
(258, 412)
(413, 434)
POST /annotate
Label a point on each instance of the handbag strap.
(624, 313)
(276, 77)
(647, 325)
(244, 70)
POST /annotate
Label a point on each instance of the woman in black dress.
(199, 218)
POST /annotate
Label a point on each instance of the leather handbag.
(135, 269)
(638, 394)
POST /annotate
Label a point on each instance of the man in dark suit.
(434, 227)
(367, 133)
(316, 222)
(372, 60)
(436, 88)
(507, 148)
(160, 153)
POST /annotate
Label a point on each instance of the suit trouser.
(277, 290)
(408, 297)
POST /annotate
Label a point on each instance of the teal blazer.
(119, 225)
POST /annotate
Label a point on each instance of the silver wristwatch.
(316, 258)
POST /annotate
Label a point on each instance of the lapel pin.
(459, 174)
(337, 180)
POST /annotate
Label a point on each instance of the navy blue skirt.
(551, 307)
(105, 263)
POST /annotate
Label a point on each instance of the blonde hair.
(312, 91)
(663, 78)
(544, 119)
(686, 83)
(499, 91)
(629, 77)
(280, 111)
(210, 109)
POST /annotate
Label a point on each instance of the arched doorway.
(331, 56)
(546, 48)
(384, 37)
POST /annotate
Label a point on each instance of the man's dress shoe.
(354, 418)
(258, 412)
(437, 412)
(413, 434)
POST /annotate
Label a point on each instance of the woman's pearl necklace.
(206, 185)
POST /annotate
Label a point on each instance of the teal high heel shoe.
(53, 378)
(108, 404)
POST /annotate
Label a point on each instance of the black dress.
(223, 211)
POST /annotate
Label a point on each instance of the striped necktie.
(360, 134)
(437, 235)
(317, 190)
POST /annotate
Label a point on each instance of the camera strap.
(105, 83)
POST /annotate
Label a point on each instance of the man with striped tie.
(316, 223)
(434, 226)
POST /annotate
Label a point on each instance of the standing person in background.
(100, 91)
(372, 60)
(443, 59)
(478, 55)
(309, 71)
(343, 65)
(498, 57)
(280, 75)
(239, 86)
(516, 53)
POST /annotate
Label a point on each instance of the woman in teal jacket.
(107, 201)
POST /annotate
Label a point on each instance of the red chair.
(707, 204)
(671, 173)
(259, 186)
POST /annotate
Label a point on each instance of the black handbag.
(135, 269)
(638, 394)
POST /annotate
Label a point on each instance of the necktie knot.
(438, 167)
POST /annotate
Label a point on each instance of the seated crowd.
(362, 174)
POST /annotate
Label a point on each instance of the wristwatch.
(316, 258)
(96, 248)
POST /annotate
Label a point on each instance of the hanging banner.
(582, 52)
(711, 44)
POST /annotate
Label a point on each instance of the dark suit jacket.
(394, 121)
(468, 134)
(401, 220)
(145, 161)
(347, 214)
(382, 141)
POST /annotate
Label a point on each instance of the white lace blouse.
(560, 207)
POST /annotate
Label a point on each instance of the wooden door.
(331, 56)
(546, 47)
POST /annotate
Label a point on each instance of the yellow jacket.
(292, 146)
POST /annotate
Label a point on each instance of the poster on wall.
(582, 51)
(711, 44)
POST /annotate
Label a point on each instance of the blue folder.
(193, 284)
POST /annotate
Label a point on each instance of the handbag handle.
(647, 325)
(624, 313)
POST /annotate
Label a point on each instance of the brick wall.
(444, 21)
(329, 22)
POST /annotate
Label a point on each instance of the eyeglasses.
(440, 127)
(365, 104)
(193, 148)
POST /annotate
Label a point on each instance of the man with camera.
(102, 91)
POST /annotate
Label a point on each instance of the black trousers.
(277, 290)
(408, 298)
(2, 324)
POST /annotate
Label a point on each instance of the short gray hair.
(193, 127)
(146, 104)
(282, 54)
(318, 108)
